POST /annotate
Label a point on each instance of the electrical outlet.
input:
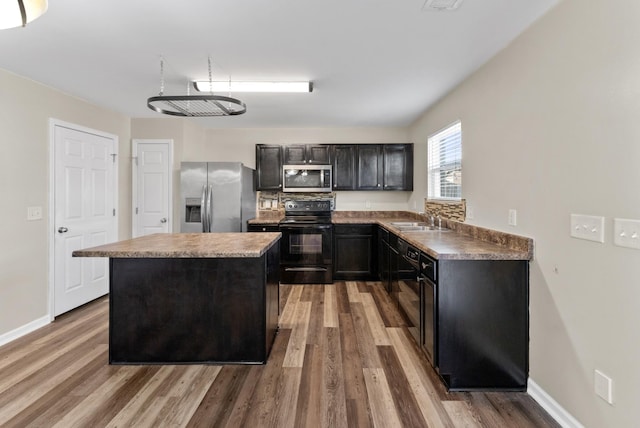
(470, 212)
(34, 213)
(603, 386)
(626, 233)
(513, 217)
(587, 227)
(367, 204)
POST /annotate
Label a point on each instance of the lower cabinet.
(354, 252)
(482, 324)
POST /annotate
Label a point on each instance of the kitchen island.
(192, 298)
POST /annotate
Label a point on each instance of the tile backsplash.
(274, 201)
(453, 210)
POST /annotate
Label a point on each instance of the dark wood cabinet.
(191, 309)
(299, 154)
(369, 167)
(483, 324)
(268, 167)
(397, 167)
(355, 166)
(344, 166)
(385, 167)
(354, 252)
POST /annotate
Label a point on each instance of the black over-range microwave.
(306, 178)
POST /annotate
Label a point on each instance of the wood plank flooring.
(342, 358)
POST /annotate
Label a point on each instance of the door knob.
(163, 220)
(62, 229)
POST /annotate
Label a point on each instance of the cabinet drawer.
(353, 229)
(263, 228)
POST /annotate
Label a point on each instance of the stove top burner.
(307, 212)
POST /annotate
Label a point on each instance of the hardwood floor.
(341, 359)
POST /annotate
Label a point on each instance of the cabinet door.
(398, 166)
(319, 154)
(295, 155)
(354, 252)
(369, 171)
(344, 167)
(268, 167)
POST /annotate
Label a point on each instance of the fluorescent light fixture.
(16, 13)
(217, 86)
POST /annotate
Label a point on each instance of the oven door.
(306, 244)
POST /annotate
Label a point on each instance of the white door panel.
(152, 186)
(84, 214)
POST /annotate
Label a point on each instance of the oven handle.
(305, 226)
(306, 269)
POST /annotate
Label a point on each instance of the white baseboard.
(25, 329)
(557, 412)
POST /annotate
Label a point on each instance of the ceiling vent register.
(442, 5)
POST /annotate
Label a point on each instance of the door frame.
(134, 180)
(50, 212)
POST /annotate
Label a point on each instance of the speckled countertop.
(187, 245)
(459, 241)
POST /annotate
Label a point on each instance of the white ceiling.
(372, 62)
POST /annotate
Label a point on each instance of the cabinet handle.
(378, 185)
(279, 185)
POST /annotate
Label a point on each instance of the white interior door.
(152, 186)
(84, 200)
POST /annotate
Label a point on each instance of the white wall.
(25, 110)
(550, 128)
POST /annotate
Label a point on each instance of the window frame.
(453, 167)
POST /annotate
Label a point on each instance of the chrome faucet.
(432, 221)
(439, 222)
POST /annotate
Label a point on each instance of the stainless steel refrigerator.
(216, 197)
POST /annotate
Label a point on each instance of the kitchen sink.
(415, 226)
(421, 229)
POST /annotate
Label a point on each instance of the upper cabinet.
(385, 167)
(344, 166)
(397, 167)
(370, 163)
(355, 166)
(319, 154)
(268, 167)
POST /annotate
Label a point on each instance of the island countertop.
(187, 245)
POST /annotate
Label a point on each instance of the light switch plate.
(34, 213)
(603, 386)
(513, 217)
(626, 233)
(587, 227)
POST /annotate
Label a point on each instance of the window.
(444, 163)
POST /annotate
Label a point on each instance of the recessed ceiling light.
(442, 4)
(247, 86)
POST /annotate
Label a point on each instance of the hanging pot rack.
(194, 105)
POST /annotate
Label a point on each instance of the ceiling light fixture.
(194, 105)
(16, 13)
(256, 86)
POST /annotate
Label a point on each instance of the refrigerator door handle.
(210, 208)
(203, 208)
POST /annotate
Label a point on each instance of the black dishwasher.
(408, 289)
(417, 298)
(428, 279)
